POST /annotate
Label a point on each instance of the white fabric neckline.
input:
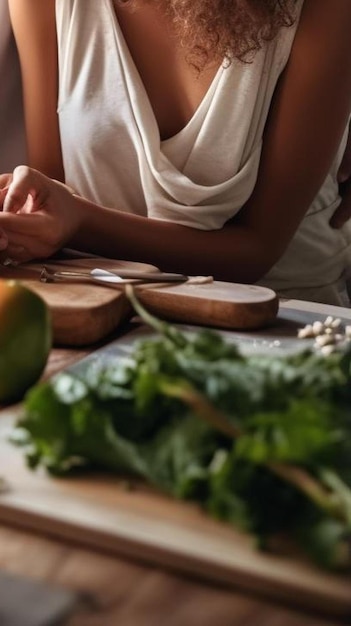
(202, 175)
(130, 64)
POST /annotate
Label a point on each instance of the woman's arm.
(306, 122)
(307, 119)
(33, 23)
(304, 129)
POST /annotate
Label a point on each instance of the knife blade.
(105, 276)
(109, 276)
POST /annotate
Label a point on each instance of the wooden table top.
(129, 594)
(120, 591)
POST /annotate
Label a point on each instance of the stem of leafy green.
(329, 493)
(262, 442)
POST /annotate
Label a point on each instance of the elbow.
(253, 273)
(257, 262)
(247, 271)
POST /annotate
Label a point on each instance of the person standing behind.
(12, 133)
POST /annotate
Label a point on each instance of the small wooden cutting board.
(224, 305)
(83, 312)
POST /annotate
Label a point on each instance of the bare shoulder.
(324, 32)
(317, 81)
(313, 102)
(326, 13)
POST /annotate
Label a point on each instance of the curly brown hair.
(226, 29)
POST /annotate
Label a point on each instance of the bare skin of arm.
(34, 28)
(305, 125)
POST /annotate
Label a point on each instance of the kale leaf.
(262, 442)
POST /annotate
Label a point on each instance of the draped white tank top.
(203, 175)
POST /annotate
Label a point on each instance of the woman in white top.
(12, 135)
(199, 138)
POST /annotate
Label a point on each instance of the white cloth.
(204, 174)
(12, 134)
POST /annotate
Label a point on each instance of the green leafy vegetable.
(260, 441)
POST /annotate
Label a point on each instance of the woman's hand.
(39, 215)
(5, 181)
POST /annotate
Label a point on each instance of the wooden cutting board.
(102, 512)
(83, 313)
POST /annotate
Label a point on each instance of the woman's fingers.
(25, 183)
(17, 192)
(24, 224)
(39, 234)
(39, 215)
(3, 192)
(26, 236)
(5, 180)
(14, 255)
